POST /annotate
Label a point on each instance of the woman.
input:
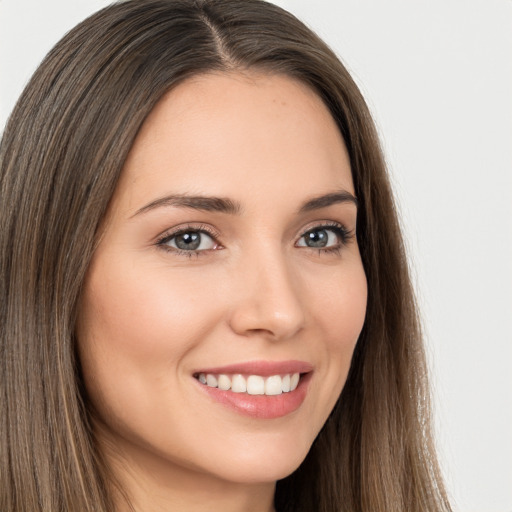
(204, 288)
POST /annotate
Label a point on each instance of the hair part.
(61, 156)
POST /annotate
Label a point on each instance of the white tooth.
(211, 380)
(238, 384)
(224, 382)
(286, 383)
(202, 378)
(255, 385)
(294, 381)
(273, 385)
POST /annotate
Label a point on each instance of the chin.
(262, 465)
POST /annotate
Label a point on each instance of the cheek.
(339, 304)
(134, 330)
(140, 312)
(339, 311)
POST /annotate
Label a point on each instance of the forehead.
(223, 134)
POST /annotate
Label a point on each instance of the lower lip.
(261, 406)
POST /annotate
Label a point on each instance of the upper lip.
(263, 368)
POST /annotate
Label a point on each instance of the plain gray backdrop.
(438, 78)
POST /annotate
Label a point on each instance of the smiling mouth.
(271, 385)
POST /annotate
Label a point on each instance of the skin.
(151, 316)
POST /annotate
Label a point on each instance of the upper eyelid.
(320, 224)
(326, 224)
(338, 228)
(172, 232)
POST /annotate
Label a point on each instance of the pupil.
(188, 241)
(317, 238)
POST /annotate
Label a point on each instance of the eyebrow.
(323, 201)
(229, 206)
(203, 203)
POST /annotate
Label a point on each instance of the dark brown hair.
(61, 156)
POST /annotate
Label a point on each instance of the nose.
(267, 300)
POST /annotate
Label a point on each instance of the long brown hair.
(61, 156)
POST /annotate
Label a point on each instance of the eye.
(323, 237)
(189, 240)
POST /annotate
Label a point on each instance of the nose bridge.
(269, 299)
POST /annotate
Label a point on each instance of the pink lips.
(263, 368)
(260, 406)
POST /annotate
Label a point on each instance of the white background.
(438, 78)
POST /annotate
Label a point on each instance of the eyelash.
(343, 234)
(168, 236)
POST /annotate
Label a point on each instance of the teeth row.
(252, 385)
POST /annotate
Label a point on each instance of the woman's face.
(228, 257)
